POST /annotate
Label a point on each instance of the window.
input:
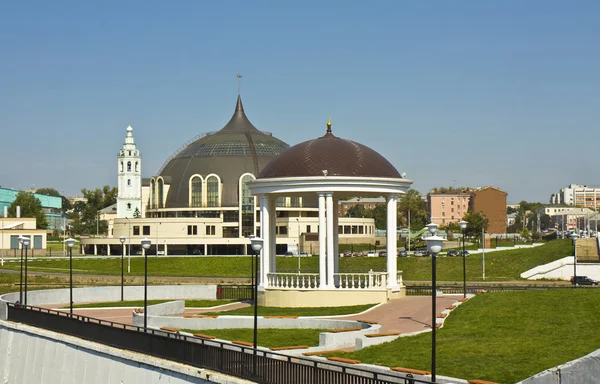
(152, 192)
(192, 229)
(443, 214)
(283, 230)
(212, 191)
(196, 191)
(160, 193)
(248, 204)
(128, 205)
(129, 166)
(452, 210)
(136, 230)
(210, 230)
(121, 166)
(146, 230)
(128, 181)
(308, 229)
(129, 153)
(136, 166)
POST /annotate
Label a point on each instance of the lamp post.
(70, 243)
(574, 236)
(122, 240)
(146, 245)
(25, 245)
(434, 245)
(21, 273)
(257, 244)
(463, 226)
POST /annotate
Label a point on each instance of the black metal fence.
(257, 366)
(234, 292)
(424, 290)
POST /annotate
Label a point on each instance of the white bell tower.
(129, 166)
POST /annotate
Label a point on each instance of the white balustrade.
(347, 281)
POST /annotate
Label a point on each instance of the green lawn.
(275, 311)
(503, 337)
(500, 265)
(269, 338)
(140, 303)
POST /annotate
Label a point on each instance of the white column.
(336, 238)
(392, 258)
(107, 249)
(264, 233)
(166, 251)
(272, 234)
(95, 250)
(330, 253)
(322, 245)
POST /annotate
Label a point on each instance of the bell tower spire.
(129, 170)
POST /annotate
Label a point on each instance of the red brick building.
(492, 202)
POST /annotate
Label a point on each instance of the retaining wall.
(33, 355)
(109, 294)
(583, 370)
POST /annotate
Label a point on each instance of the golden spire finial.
(328, 121)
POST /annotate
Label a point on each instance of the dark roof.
(236, 149)
(338, 156)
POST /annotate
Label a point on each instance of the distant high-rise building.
(578, 195)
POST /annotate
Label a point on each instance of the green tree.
(357, 210)
(380, 215)
(84, 218)
(136, 213)
(412, 201)
(476, 223)
(30, 207)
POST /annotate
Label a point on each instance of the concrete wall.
(273, 297)
(176, 307)
(582, 370)
(108, 294)
(562, 269)
(32, 355)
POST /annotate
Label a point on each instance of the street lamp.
(21, 272)
(24, 244)
(146, 242)
(257, 244)
(463, 225)
(70, 243)
(434, 245)
(122, 240)
(574, 236)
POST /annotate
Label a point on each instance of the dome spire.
(329, 125)
(238, 106)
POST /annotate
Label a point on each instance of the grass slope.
(269, 338)
(276, 311)
(503, 337)
(500, 265)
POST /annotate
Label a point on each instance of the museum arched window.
(196, 191)
(121, 166)
(248, 204)
(129, 182)
(160, 192)
(152, 193)
(129, 166)
(137, 166)
(212, 191)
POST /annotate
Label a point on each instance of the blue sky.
(465, 93)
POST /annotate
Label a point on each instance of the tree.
(136, 213)
(30, 207)
(84, 217)
(476, 223)
(357, 210)
(379, 214)
(413, 202)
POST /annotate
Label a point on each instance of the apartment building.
(578, 195)
(447, 206)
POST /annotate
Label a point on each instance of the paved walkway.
(406, 315)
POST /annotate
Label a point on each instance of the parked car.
(304, 254)
(289, 254)
(402, 253)
(418, 253)
(371, 254)
(453, 252)
(347, 252)
(583, 280)
(382, 253)
(466, 253)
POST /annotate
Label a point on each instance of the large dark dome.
(338, 156)
(236, 149)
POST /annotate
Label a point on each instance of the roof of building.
(329, 155)
(236, 149)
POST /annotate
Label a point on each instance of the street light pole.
(574, 236)
(122, 240)
(70, 242)
(145, 246)
(257, 245)
(26, 245)
(434, 245)
(463, 226)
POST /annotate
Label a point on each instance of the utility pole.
(409, 230)
(483, 250)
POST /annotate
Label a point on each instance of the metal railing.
(425, 290)
(259, 366)
(234, 292)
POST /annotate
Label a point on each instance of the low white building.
(11, 228)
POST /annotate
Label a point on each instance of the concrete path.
(405, 315)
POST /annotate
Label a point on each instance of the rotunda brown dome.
(329, 155)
